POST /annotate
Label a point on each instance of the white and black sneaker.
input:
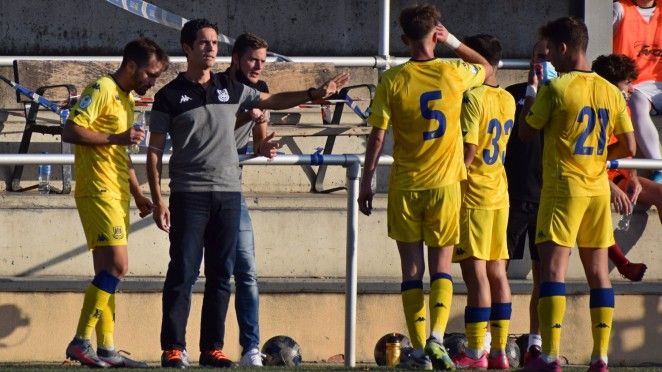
(251, 358)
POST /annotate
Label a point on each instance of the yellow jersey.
(578, 113)
(103, 171)
(487, 121)
(422, 102)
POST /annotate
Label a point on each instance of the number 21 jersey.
(578, 112)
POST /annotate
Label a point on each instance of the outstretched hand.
(333, 85)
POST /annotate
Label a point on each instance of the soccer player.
(421, 99)
(578, 112)
(198, 109)
(637, 28)
(101, 126)
(249, 54)
(487, 118)
(524, 171)
(627, 188)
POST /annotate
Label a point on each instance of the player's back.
(422, 101)
(583, 110)
(487, 121)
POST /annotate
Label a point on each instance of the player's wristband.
(531, 91)
(452, 42)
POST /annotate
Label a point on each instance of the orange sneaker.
(215, 358)
(174, 358)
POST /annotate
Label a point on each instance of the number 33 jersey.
(487, 121)
(422, 103)
(578, 113)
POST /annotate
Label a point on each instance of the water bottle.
(624, 222)
(139, 123)
(44, 179)
(392, 351)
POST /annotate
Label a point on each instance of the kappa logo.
(440, 304)
(97, 313)
(556, 325)
(223, 95)
(541, 234)
(102, 238)
(184, 98)
(602, 325)
(118, 232)
(420, 319)
(460, 251)
(520, 102)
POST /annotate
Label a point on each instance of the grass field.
(308, 367)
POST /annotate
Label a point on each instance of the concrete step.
(297, 235)
(310, 310)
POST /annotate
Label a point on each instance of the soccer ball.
(281, 351)
(455, 343)
(380, 347)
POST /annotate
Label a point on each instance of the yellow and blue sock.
(413, 302)
(551, 309)
(475, 326)
(602, 314)
(500, 325)
(97, 295)
(441, 296)
(106, 326)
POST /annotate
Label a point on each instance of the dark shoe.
(215, 358)
(598, 366)
(532, 353)
(174, 358)
(632, 271)
(539, 365)
(82, 351)
(117, 360)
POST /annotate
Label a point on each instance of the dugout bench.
(60, 81)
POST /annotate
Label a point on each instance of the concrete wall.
(296, 236)
(315, 27)
(46, 321)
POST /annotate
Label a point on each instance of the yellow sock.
(602, 314)
(441, 296)
(475, 326)
(96, 299)
(499, 326)
(95, 302)
(551, 309)
(413, 303)
(106, 326)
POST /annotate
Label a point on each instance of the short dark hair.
(486, 45)
(615, 68)
(190, 30)
(569, 30)
(248, 41)
(417, 21)
(141, 51)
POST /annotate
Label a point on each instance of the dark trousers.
(200, 219)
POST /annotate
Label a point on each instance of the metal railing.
(368, 61)
(352, 162)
